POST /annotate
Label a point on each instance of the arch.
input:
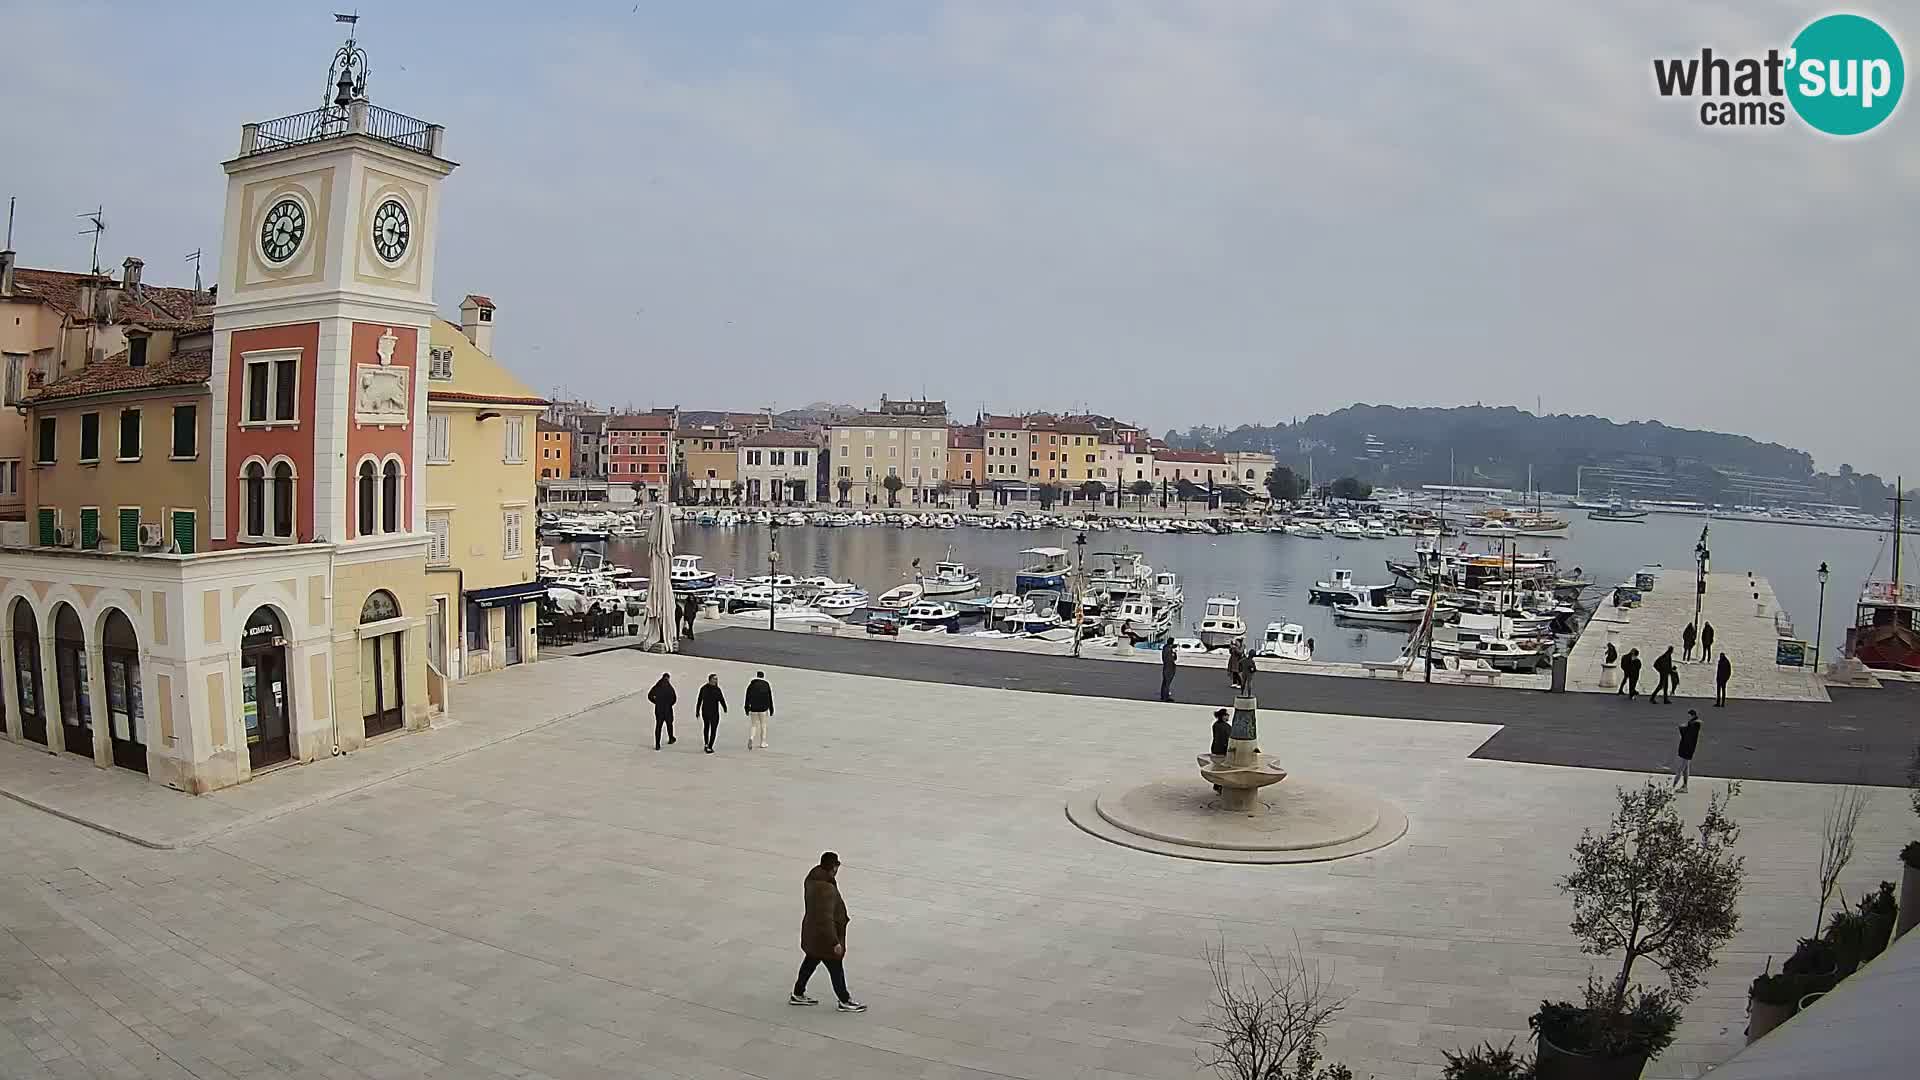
(392, 497)
(266, 692)
(25, 624)
(282, 477)
(366, 497)
(379, 607)
(382, 678)
(70, 673)
(126, 699)
(253, 497)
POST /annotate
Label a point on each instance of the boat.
(932, 615)
(1617, 510)
(950, 579)
(1379, 607)
(1341, 590)
(685, 575)
(1286, 641)
(1005, 603)
(1348, 530)
(794, 518)
(1166, 588)
(1118, 574)
(1503, 654)
(1139, 619)
(842, 601)
(1886, 627)
(1189, 645)
(1048, 570)
(1306, 530)
(1221, 624)
(900, 597)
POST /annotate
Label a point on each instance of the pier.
(1743, 611)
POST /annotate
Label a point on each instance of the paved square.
(569, 903)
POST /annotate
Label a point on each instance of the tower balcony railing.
(331, 122)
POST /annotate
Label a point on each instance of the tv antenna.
(194, 258)
(96, 224)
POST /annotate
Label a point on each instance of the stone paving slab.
(483, 711)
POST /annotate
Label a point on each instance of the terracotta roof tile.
(781, 438)
(155, 307)
(889, 420)
(484, 399)
(476, 298)
(641, 422)
(112, 375)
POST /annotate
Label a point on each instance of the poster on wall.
(250, 703)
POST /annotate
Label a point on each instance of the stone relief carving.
(380, 395)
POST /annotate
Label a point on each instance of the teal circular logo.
(1846, 74)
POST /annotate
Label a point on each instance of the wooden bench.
(1376, 667)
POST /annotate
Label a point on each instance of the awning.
(502, 594)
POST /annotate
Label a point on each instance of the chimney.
(7, 259)
(131, 279)
(476, 321)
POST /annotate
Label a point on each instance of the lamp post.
(773, 565)
(1820, 618)
(1080, 588)
(1700, 555)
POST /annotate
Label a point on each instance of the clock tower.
(319, 373)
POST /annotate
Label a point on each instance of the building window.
(283, 500)
(476, 627)
(368, 494)
(801, 457)
(869, 452)
(49, 432)
(390, 498)
(439, 437)
(272, 390)
(779, 457)
(136, 350)
(89, 437)
(439, 525)
(15, 376)
(253, 495)
(753, 457)
(516, 437)
(129, 434)
(186, 431)
(510, 547)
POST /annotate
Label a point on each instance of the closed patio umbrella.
(660, 631)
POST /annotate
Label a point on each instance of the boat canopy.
(1046, 552)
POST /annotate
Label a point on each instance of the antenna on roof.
(9, 246)
(97, 224)
(194, 258)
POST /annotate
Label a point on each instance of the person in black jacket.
(663, 698)
(689, 611)
(1222, 736)
(759, 706)
(710, 704)
(1669, 678)
(1706, 640)
(1687, 638)
(1630, 674)
(1167, 663)
(1689, 741)
(1720, 678)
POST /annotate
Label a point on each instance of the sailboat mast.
(1899, 502)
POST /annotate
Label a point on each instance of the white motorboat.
(950, 579)
(842, 601)
(801, 615)
(778, 581)
(1341, 590)
(1306, 530)
(1504, 654)
(1139, 619)
(1166, 589)
(1376, 529)
(900, 597)
(1286, 641)
(794, 518)
(1048, 570)
(1005, 603)
(1378, 607)
(1118, 574)
(1221, 624)
(929, 614)
(685, 575)
(1348, 530)
(1189, 645)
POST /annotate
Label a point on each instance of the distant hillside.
(1385, 444)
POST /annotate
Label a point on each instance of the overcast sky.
(1181, 213)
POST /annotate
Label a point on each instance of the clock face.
(391, 230)
(282, 230)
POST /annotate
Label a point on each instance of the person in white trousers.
(759, 707)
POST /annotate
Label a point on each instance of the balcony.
(359, 118)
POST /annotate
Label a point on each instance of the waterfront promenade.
(563, 902)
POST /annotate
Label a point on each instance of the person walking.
(1669, 678)
(759, 706)
(689, 610)
(663, 698)
(1247, 672)
(1706, 640)
(1687, 638)
(823, 934)
(1720, 678)
(1630, 674)
(710, 704)
(1167, 665)
(1235, 652)
(1689, 740)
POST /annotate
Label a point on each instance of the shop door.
(264, 700)
(514, 608)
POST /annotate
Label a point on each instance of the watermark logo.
(1842, 75)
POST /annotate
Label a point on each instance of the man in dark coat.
(663, 698)
(1235, 652)
(1687, 638)
(1630, 674)
(759, 706)
(1706, 640)
(1720, 678)
(1669, 678)
(689, 609)
(710, 704)
(823, 934)
(1222, 735)
(1247, 671)
(1689, 741)
(1166, 670)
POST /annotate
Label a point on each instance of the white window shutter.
(437, 548)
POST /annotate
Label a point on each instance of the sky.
(1178, 213)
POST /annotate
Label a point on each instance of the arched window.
(253, 492)
(390, 498)
(369, 492)
(380, 607)
(283, 500)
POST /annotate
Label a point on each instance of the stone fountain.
(1243, 770)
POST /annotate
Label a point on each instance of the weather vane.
(347, 74)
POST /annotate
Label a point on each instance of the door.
(70, 673)
(126, 714)
(26, 670)
(380, 680)
(437, 638)
(514, 607)
(265, 710)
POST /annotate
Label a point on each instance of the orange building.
(556, 452)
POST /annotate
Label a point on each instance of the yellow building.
(710, 455)
(867, 449)
(556, 451)
(482, 564)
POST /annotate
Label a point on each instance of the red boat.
(1886, 627)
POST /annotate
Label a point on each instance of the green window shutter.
(183, 531)
(48, 526)
(89, 528)
(130, 529)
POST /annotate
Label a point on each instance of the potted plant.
(1647, 887)
(1879, 909)
(1816, 963)
(1486, 1063)
(1771, 1001)
(1847, 934)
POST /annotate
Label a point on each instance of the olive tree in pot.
(1878, 909)
(1644, 888)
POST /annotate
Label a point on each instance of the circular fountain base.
(1291, 822)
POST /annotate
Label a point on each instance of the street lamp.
(773, 564)
(1820, 618)
(1700, 555)
(1080, 589)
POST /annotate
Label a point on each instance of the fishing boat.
(1886, 625)
(932, 615)
(900, 597)
(844, 601)
(1379, 607)
(950, 579)
(1047, 570)
(1348, 530)
(1139, 619)
(1341, 590)
(1286, 641)
(1166, 589)
(686, 575)
(1221, 624)
(1616, 510)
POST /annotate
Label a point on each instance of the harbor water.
(1272, 572)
